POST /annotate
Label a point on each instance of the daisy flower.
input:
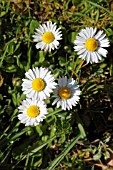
(47, 36)
(32, 112)
(66, 93)
(90, 45)
(39, 83)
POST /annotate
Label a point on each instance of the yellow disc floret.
(38, 84)
(64, 92)
(48, 37)
(33, 111)
(91, 44)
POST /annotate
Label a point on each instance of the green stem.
(57, 111)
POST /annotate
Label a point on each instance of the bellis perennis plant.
(90, 45)
(39, 83)
(32, 112)
(66, 93)
(47, 36)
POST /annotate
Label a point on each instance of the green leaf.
(62, 61)
(53, 130)
(9, 59)
(82, 131)
(63, 138)
(72, 37)
(39, 131)
(33, 25)
(11, 47)
(109, 31)
(76, 2)
(3, 13)
(10, 68)
(97, 156)
(41, 56)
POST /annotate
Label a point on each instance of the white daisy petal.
(39, 45)
(29, 73)
(39, 31)
(83, 35)
(89, 45)
(79, 40)
(98, 55)
(104, 43)
(102, 52)
(94, 57)
(81, 51)
(83, 56)
(78, 47)
(91, 31)
(88, 56)
(33, 113)
(86, 32)
(94, 31)
(47, 36)
(64, 80)
(65, 94)
(97, 36)
(102, 37)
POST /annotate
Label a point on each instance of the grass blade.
(98, 6)
(63, 153)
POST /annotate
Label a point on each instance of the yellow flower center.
(64, 92)
(38, 84)
(33, 111)
(91, 44)
(48, 37)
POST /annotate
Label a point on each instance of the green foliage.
(78, 139)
